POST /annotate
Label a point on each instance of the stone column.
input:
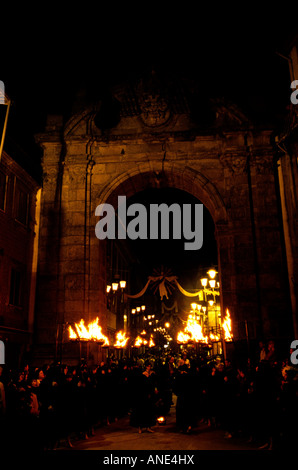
(48, 301)
(275, 301)
(238, 264)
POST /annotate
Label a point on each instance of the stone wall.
(231, 170)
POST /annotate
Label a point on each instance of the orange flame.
(93, 332)
(227, 327)
(121, 340)
(138, 342)
(161, 420)
(151, 342)
(214, 337)
(72, 333)
(192, 332)
(182, 337)
(194, 328)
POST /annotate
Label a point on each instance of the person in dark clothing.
(49, 398)
(186, 396)
(81, 406)
(144, 415)
(66, 408)
(102, 395)
(214, 385)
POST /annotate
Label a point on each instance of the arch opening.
(135, 260)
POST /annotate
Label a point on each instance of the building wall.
(19, 218)
(231, 170)
(287, 144)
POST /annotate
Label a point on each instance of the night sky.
(230, 52)
(46, 58)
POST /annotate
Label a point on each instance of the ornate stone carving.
(50, 175)
(154, 110)
(233, 162)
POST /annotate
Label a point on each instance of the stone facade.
(20, 198)
(287, 144)
(157, 139)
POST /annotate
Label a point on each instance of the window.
(15, 287)
(21, 205)
(2, 190)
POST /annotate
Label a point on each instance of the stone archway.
(229, 166)
(171, 176)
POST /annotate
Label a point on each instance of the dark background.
(49, 55)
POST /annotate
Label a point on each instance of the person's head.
(34, 383)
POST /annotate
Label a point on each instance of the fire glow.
(192, 332)
(140, 342)
(91, 332)
(214, 337)
(121, 340)
(161, 420)
(227, 327)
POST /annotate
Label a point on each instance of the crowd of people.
(43, 408)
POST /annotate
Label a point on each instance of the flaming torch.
(192, 332)
(138, 342)
(195, 330)
(182, 338)
(227, 327)
(121, 340)
(227, 331)
(93, 332)
(214, 338)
